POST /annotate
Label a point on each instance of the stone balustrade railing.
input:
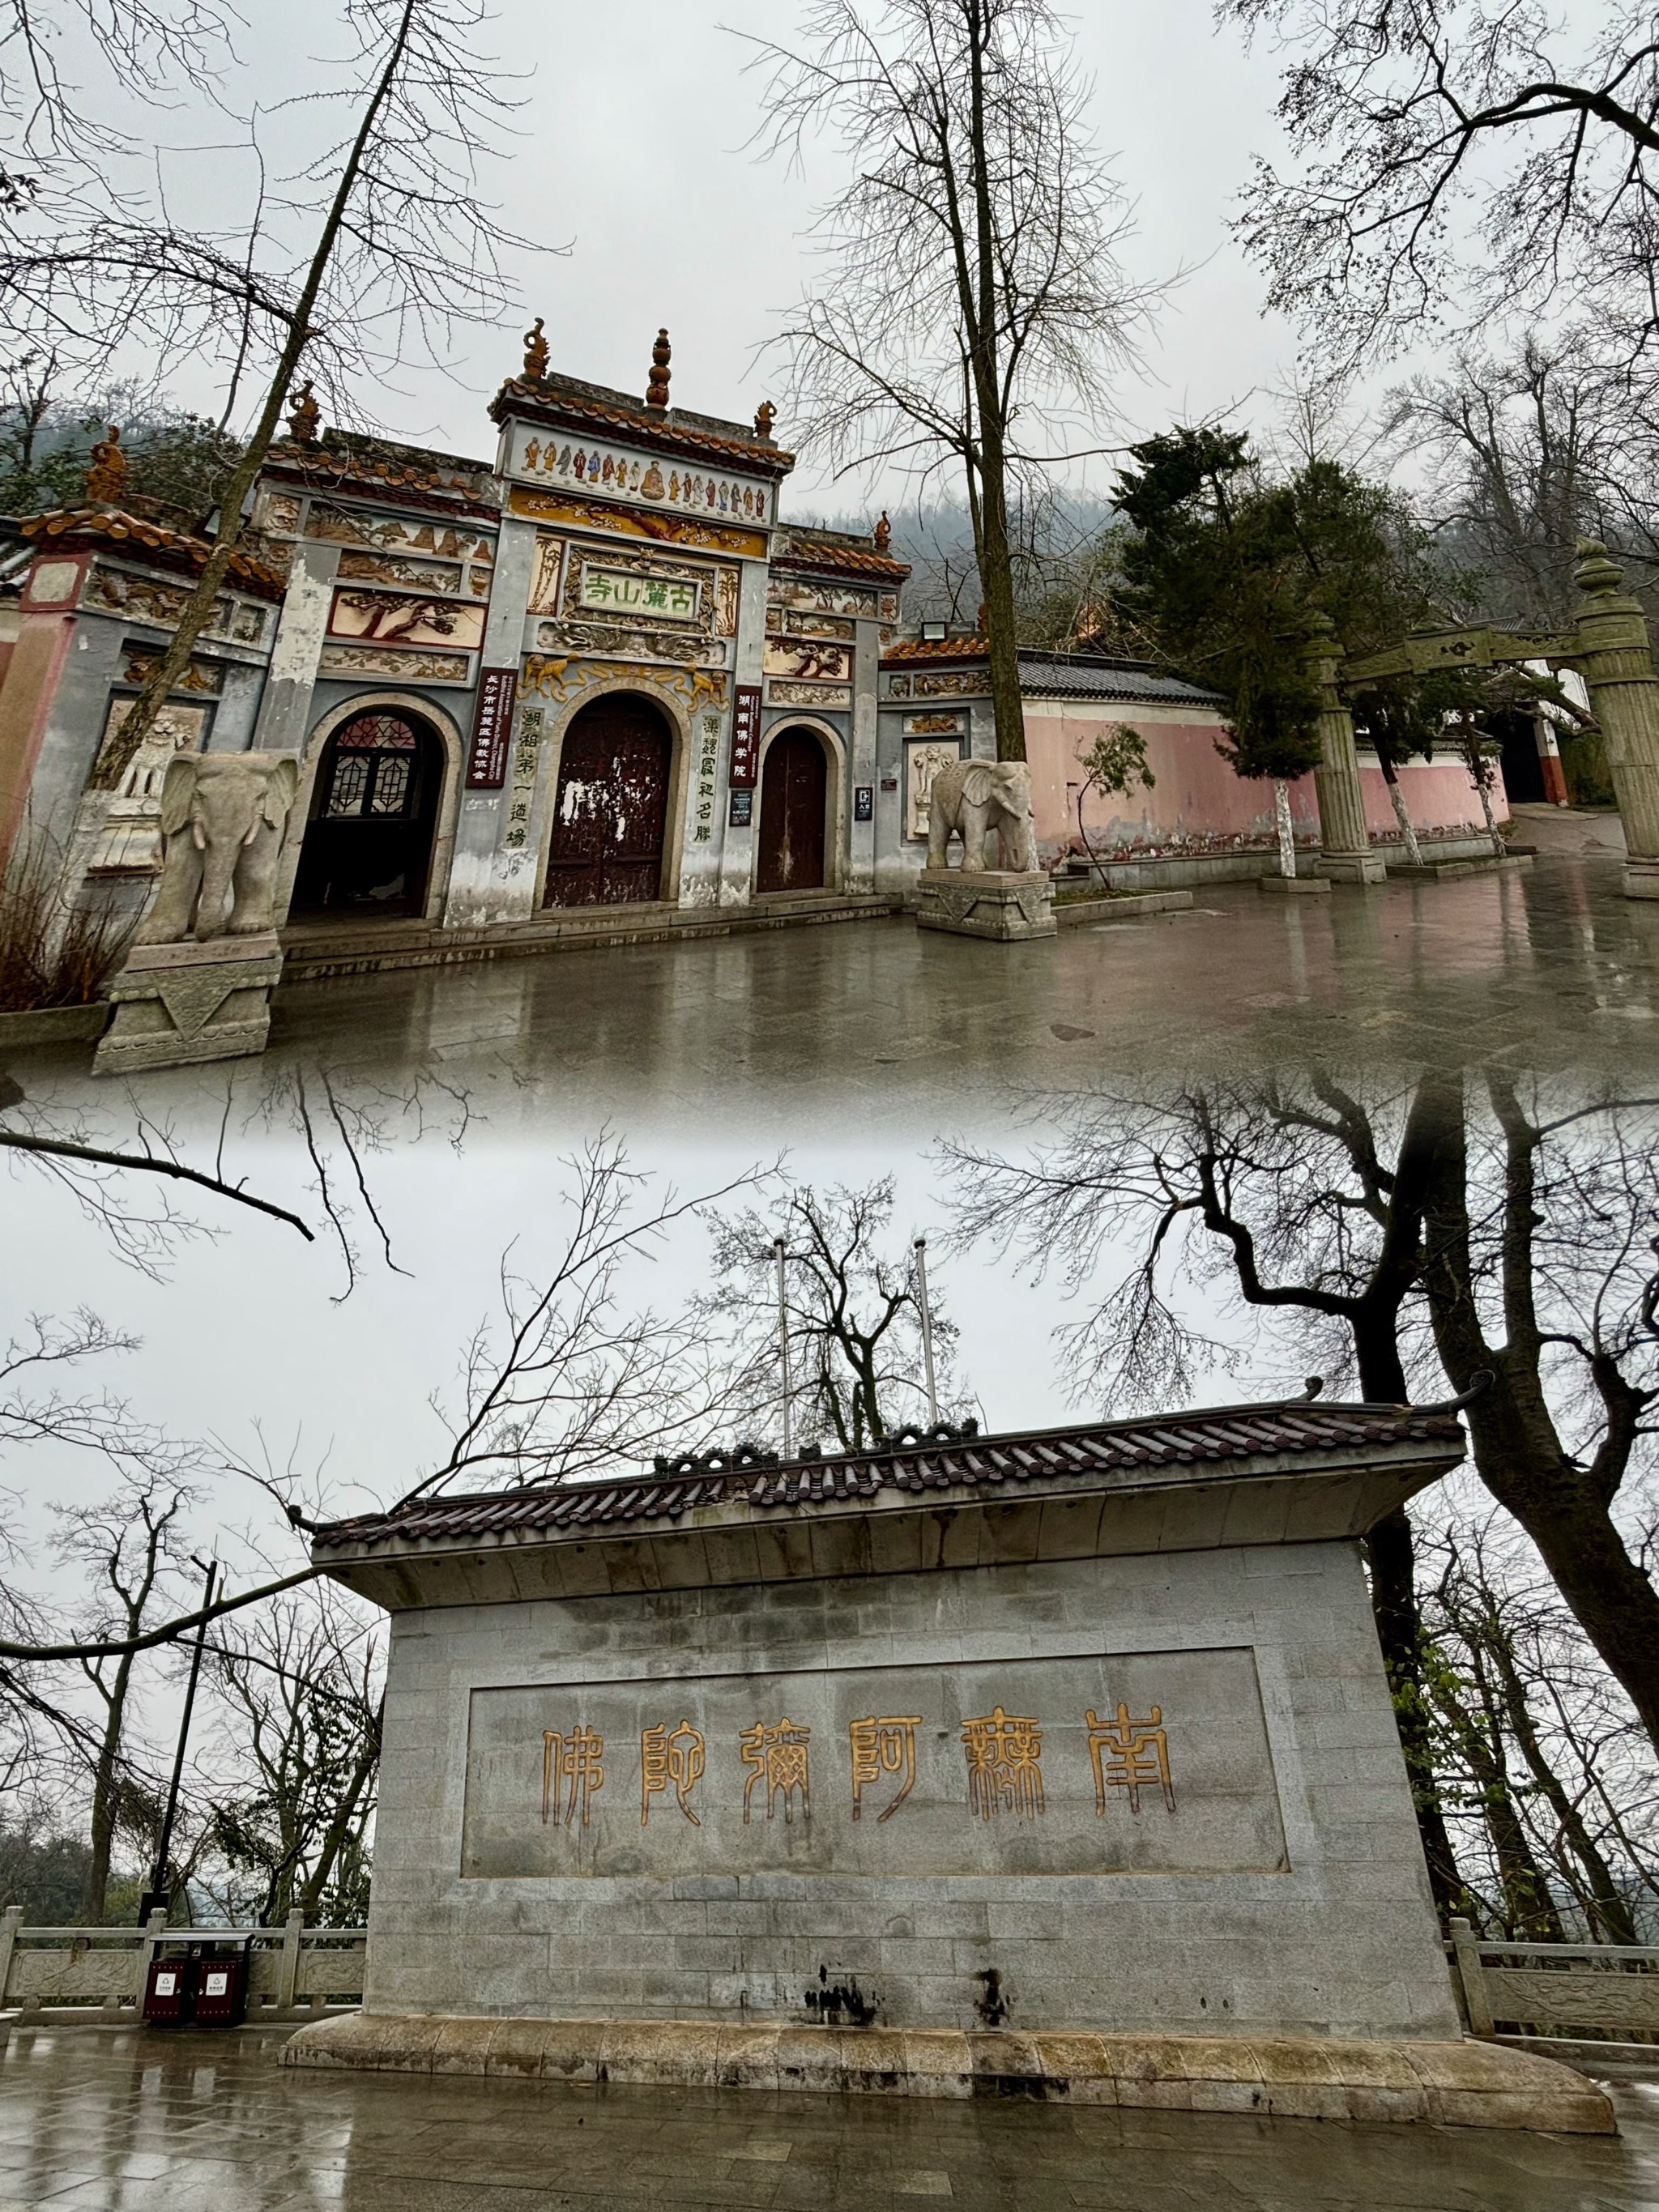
(292, 1969)
(1574, 1989)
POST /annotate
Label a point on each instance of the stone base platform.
(1434, 871)
(1296, 886)
(1642, 878)
(176, 1005)
(1004, 904)
(319, 949)
(1468, 2084)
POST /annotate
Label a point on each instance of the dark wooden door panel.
(792, 832)
(610, 813)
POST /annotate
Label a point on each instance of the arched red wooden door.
(793, 787)
(611, 813)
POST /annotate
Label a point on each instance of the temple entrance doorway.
(610, 816)
(795, 786)
(368, 847)
(1524, 771)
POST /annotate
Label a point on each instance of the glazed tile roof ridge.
(820, 553)
(668, 429)
(339, 466)
(1203, 1434)
(140, 535)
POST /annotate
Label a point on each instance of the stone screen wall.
(1282, 1888)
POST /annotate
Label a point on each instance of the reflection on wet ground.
(114, 2121)
(1553, 961)
(871, 1025)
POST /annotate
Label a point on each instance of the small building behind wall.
(1196, 819)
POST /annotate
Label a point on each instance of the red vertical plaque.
(486, 763)
(745, 736)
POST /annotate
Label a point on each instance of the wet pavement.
(880, 1029)
(1550, 964)
(117, 2120)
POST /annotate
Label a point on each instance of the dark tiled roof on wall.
(988, 1463)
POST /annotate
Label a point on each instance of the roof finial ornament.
(535, 350)
(765, 416)
(305, 416)
(884, 533)
(106, 475)
(656, 392)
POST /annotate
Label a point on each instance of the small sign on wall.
(745, 736)
(742, 812)
(486, 762)
(864, 803)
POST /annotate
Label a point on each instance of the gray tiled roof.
(997, 1463)
(1092, 676)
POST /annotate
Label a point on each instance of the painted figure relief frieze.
(1154, 1760)
(632, 477)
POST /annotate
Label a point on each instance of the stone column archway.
(1347, 854)
(1616, 661)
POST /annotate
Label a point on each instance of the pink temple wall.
(1198, 805)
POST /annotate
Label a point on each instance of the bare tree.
(852, 1314)
(1401, 1238)
(974, 303)
(1457, 162)
(291, 1784)
(405, 250)
(1549, 1784)
(1524, 452)
(125, 1543)
(568, 1378)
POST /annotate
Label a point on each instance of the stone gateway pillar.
(1617, 665)
(1347, 855)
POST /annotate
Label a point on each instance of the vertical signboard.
(745, 736)
(486, 762)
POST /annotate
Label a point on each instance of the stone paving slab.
(122, 2120)
(1466, 2084)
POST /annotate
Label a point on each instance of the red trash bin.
(170, 1987)
(221, 1996)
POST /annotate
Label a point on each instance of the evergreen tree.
(1224, 569)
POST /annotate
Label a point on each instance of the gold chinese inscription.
(1004, 1771)
(669, 1761)
(576, 1761)
(1130, 1755)
(777, 1757)
(882, 1746)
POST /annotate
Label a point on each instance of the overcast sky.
(633, 151)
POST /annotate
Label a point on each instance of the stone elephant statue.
(977, 796)
(222, 818)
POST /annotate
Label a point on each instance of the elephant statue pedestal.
(198, 982)
(175, 1004)
(1006, 904)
